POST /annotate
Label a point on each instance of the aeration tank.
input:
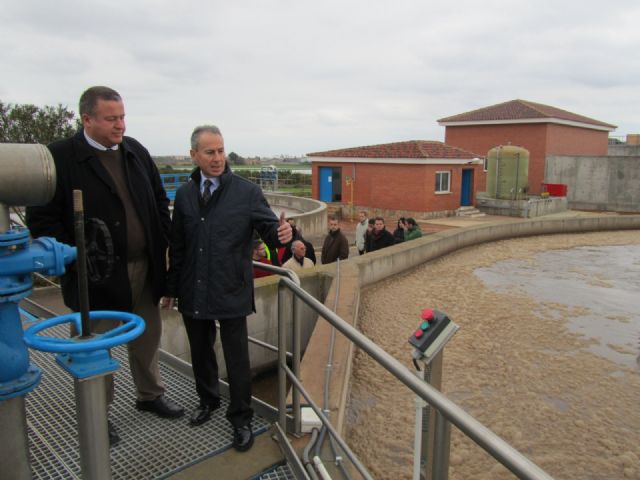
(508, 172)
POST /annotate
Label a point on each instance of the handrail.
(504, 453)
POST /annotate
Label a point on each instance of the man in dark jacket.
(122, 192)
(380, 237)
(336, 245)
(211, 274)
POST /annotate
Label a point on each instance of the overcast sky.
(293, 77)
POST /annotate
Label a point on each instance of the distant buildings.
(430, 176)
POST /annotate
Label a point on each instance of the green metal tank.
(508, 172)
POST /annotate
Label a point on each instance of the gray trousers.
(143, 351)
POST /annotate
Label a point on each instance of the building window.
(485, 164)
(443, 182)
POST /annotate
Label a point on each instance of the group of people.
(209, 238)
(372, 233)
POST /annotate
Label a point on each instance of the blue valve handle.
(132, 326)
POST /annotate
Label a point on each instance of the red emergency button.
(427, 314)
(418, 333)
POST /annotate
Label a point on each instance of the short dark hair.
(89, 98)
(411, 221)
(378, 218)
(372, 221)
(333, 218)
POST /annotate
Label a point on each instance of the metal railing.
(504, 453)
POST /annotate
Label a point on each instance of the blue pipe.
(18, 259)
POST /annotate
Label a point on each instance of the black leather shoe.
(113, 434)
(161, 406)
(202, 414)
(242, 438)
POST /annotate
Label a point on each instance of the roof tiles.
(521, 110)
(408, 149)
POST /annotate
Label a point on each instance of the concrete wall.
(262, 325)
(597, 183)
(624, 150)
(312, 218)
(530, 208)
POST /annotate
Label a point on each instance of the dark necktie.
(206, 194)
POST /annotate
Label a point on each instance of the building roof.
(523, 111)
(419, 149)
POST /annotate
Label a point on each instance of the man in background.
(380, 237)
(298, 260)
(361, 231)
(336, 245)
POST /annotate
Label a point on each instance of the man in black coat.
(211, 274)
(122, 192)
(380, 236)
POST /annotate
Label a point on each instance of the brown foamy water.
(536, 360)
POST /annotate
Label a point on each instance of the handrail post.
(295, 393)
(440, 466)
(282, 358)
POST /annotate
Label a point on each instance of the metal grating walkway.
(282, 472)
(150, 447)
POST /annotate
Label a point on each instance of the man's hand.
(167, 303)
(284, 230)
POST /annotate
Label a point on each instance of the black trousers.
(235, 347)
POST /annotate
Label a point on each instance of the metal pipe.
(440, 464)
(305, 454)
(296, 347)
(91, 407)
(81, 264)
(356, 463)
(282, 358)
(322, 470)
(517, 463)
(28, 174)
(14, 454)
(5, 218)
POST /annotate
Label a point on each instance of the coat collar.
(86, 151)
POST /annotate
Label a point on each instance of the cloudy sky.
(293, 76)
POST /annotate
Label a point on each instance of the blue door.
(326, 184)
(467, 188)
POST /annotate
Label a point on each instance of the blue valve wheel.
(132, 326)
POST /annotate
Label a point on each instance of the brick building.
(412, 176)
(541, 129)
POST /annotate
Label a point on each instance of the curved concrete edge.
(312, 218)
(373, 267)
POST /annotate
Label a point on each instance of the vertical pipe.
(14, 454)
(93, 436)
(5, 222)
(440, 467)
(81, 263)
(297, 420)
(282, 358)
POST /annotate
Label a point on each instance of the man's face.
(379, 225)
(361, 216)
(209, 155)
(299, 250)
(333, 225)
(106, 126)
